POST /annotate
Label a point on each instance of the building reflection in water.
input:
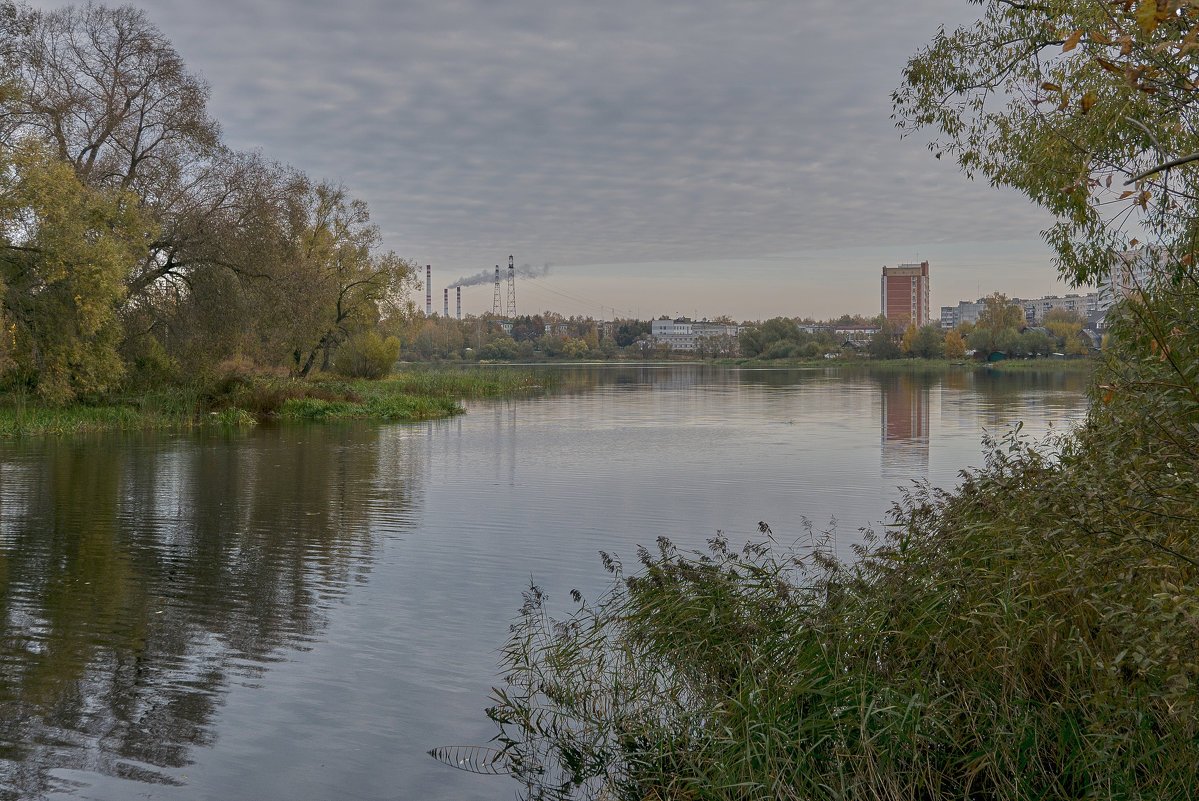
(905, 404)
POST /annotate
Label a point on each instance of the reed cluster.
(240, 399)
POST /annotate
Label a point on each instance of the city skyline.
(676, 158)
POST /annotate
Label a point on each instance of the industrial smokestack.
(428, 290)
(459, 302)
(446, 307)
(497, 305)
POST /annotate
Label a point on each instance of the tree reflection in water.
(140, 576)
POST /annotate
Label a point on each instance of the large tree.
(346, 280)
(248, 257)
(64, 249)
(110, 93)
(1086, 106)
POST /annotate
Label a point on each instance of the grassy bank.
(1084, 365)
(243, 400)
(1033, 634)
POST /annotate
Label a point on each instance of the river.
(300, 612)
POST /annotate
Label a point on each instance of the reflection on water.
(905, 403)
(142, 576)
(302, 612)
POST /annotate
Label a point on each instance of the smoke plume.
(488, 276)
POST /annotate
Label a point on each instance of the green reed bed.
(466, 383)
(246, 400)
(1033, 634)
(1086, 364)
(26, 419)
(401, 408)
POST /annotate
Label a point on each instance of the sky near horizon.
(693, 157)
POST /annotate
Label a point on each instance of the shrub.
(367, 355)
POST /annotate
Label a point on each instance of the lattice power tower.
(511, 289)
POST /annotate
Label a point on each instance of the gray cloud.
(595, 133)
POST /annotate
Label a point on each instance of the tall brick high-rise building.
(905, 294)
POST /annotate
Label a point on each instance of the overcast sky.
(693, 157)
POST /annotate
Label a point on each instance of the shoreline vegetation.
(1030, 634)
(1085, 364)
(246, 400)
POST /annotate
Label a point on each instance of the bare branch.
(1163, 166)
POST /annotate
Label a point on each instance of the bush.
(782, 349)
(367, 355)
(149, 364)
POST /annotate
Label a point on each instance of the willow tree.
(346, 281)
(64, 250)
(1088, 107)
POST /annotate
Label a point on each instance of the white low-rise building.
(684, 334)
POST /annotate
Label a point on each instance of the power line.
(540, 285)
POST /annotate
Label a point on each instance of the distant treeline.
(1000, 327)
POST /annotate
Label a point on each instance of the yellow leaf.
(1132, 243)
(1147, 16)
(1051, 87)
(1072, 41)
(1100, 37)
(1088, 100)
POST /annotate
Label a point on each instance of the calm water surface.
(301, 612)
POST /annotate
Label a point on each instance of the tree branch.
(1163, 166)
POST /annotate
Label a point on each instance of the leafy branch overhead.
(1086, 107)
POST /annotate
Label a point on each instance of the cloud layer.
(596, 133)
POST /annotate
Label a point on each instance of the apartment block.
(905, 294)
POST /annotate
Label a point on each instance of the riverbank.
(246, 400)
(1077, 365)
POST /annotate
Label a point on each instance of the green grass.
(400, 408)
(1084, 365)
(242, 401)
(456, 383)
(901, 365)
(26, 419)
